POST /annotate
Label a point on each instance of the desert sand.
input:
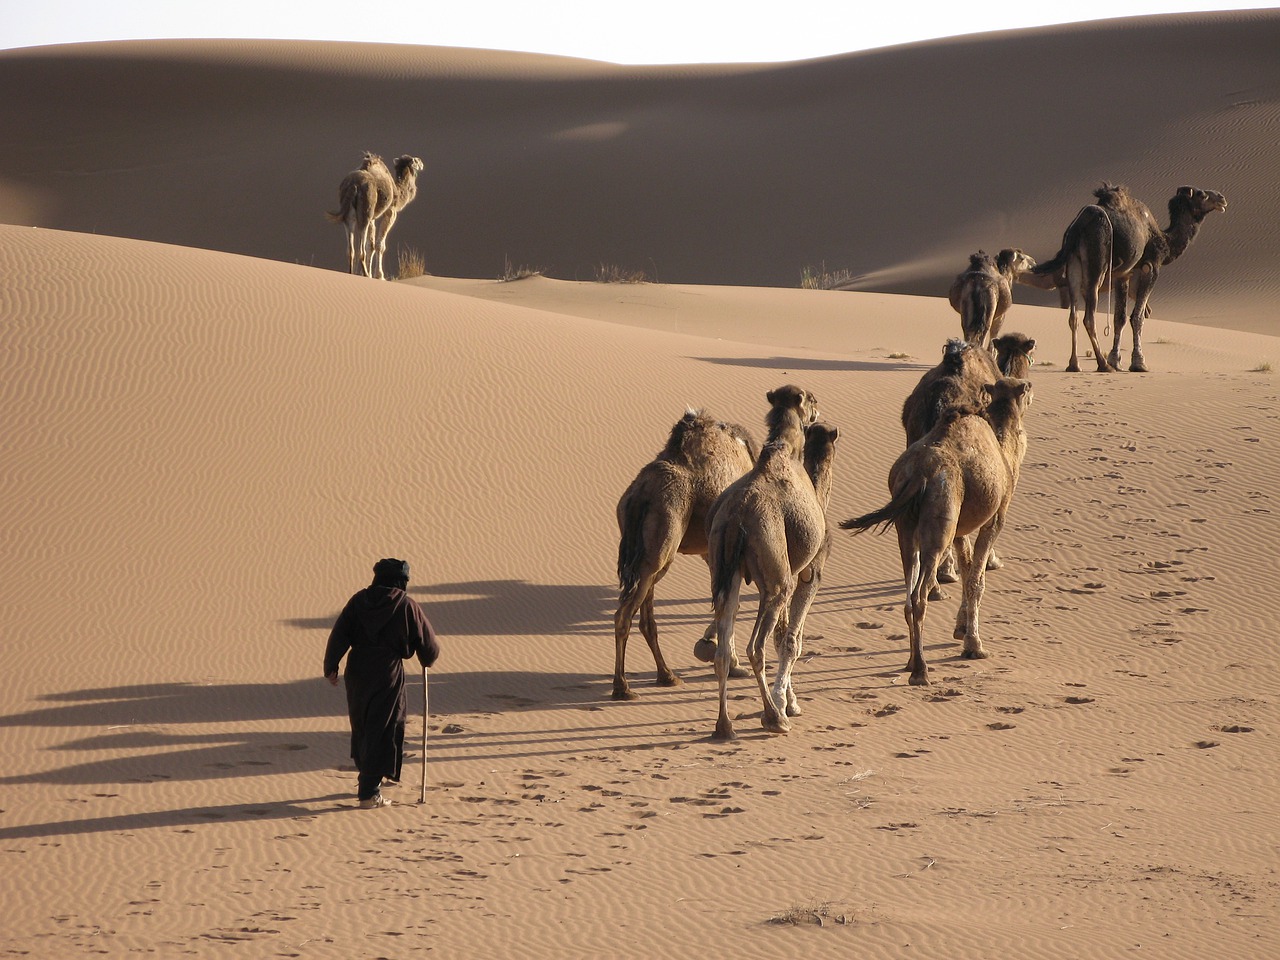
(212, 432)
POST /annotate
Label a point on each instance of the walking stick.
(422, 794)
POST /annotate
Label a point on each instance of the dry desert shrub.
(819, 278)
(511, 272)
(410, 263)
(612, 273)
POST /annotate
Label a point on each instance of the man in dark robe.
(381, 626)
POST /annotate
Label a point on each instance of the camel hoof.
(739, 672)
(994, 563)
(937, 593)
(724, 732)
(1073, 367)
(775, 724)
(668, 680)
(1138, 367)
(793, 710)
(919, 680)
(623, 693)
(978, 654)
(947, 575)
(705, 650)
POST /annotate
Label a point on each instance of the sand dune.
(206, 449)
(893, 164)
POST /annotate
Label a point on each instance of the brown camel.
(792, 410)
(770, 528)
(983, 294)
(956, 480)
(662, 514)
(959, 382)
(1115, 240)
(370, 194)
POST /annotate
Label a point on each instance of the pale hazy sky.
(648, 31)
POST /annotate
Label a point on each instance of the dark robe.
(381, 627)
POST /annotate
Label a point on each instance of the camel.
(792, 410)
(769, 527)
(983, 294)
(370, 194)
(1118, 239)
(956, 480)
(960, 382)
(662, 514)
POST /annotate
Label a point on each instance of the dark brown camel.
(956, 480)
(1115, 240)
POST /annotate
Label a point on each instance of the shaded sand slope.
(204, 454)
(893, 164)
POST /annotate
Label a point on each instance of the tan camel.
(662, 514)
(956, 480)
(792, 410)
(960, 382)
(370, 194)
(1115, 240)
(983, 294)
(770, 528)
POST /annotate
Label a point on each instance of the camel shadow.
(181, 820)
(810, 363)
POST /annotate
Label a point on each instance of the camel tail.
(340, 215)
(631, 546)
(726, 562)
(905, 506)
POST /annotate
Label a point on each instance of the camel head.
(404, 163)
(1012, 262)
(1007, 395)
(1196, 203)
(1013, 354)
(795, 398)
(953, 352)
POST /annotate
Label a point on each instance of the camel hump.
(981, 260)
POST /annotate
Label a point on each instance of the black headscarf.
(391, 572)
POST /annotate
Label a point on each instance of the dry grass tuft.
(511, 272)
(1263, 367)
(410, 263)
(818, 278)
(611, 273)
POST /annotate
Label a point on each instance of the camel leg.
(917, 575)
(1090, 327)
(389, 221)
(792, 645)
(649, 630)
(726, 614)
(704, 649)
(773, 602)
(351, 246)
(1071, 294)
(974, 586)
(1120, 296)
(1141, 307)
(627, 607)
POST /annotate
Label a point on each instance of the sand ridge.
(207, 445)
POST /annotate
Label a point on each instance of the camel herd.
(758, 516)
(761, 518)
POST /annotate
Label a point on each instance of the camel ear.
(1186, 191)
